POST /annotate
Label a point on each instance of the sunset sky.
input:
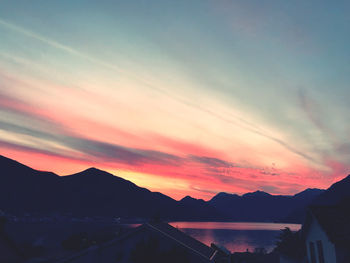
(181, 97)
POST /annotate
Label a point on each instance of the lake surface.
(235, 236)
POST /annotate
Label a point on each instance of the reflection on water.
(235, 236)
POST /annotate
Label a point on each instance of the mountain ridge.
(97, 192)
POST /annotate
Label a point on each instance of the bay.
(236, 236)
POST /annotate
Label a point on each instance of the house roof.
(170, 232)
(181, 238)
(334, 220)
(190, 244)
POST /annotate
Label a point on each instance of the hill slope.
(337, 193)
(90, 192)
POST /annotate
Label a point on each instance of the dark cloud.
(28, 112)
(210, 161)
(273, 173)
(10, 127)
(98, 149)
(113, 152)
(29, 149)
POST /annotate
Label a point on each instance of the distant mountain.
(337, 193)
(202, 208)
(309, 194)
(96, 192)
(261, 206)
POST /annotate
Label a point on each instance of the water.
(232, 235)
(235, 236)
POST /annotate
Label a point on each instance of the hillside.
(90, 192)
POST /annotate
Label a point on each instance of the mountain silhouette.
(90, 192)
(98, 193)
(336, 193)
(261, 206)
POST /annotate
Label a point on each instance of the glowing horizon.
(185, 99)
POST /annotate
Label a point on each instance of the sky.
(182, 97)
